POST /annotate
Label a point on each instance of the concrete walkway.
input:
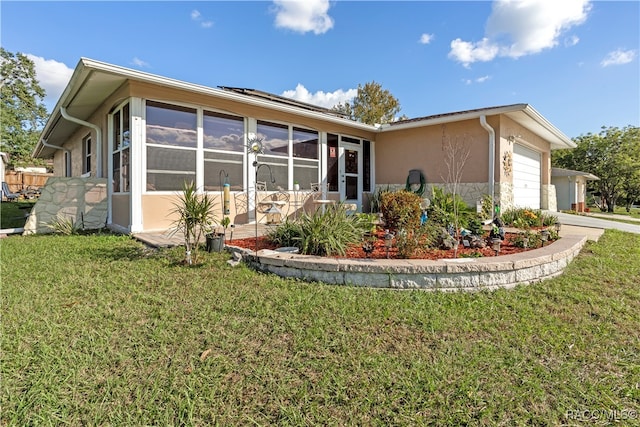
(591, 222)
(167, 239)
(603, 215)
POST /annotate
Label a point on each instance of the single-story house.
(571, 188)
(145, 135)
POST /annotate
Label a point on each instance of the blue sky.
(574, 61)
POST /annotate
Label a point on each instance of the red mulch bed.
(506, 248)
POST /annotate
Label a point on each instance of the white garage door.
(526, 177)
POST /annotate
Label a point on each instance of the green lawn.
(13, 214)
(98, 330)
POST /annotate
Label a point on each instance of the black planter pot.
(215, 242)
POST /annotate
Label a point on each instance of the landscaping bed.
(507, 247)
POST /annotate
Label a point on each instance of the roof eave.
(560, 140)
(86, 66)
(219, 93)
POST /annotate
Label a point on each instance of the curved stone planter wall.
(462, 274)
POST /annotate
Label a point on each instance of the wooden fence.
(19, 181)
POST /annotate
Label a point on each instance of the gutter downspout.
(63, 111)
(492, 158)
(66, 150)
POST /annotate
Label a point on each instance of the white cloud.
(522, 27)
(618, 57)
(469, 52)
(52, 75)
(320, 98)
(426, 38)
(571, 41)
(139, 62)
(303, 16)
(476, 80)
(197, 16)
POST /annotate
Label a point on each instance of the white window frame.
(86, 155)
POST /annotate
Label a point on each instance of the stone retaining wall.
(461, 274)
(83, 200)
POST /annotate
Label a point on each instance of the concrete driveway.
(590, 226)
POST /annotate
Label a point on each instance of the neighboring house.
(571, 188)
(148, 134)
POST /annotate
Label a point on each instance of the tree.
(630, 166)
(23, 110)
(613, 155)
(371, 105)
(456, 153)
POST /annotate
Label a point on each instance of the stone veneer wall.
(504, 190)
(471, 192)
(461, 274)
(549, 199)
(82, 199)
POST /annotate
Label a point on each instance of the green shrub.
(443, 207)
(401, 209)
(547, 219)
(325, 233)
(525, 218)
(370, 221)
(474, 224)
(286, 234)
(487, 207)
(532, 240)
(412, 242)
(375, 200)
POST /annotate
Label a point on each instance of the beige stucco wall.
(397, 152)
(157, 208)
(120, 210)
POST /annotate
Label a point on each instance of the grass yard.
(98, 330)
(13, 214)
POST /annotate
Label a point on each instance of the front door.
(350, 171)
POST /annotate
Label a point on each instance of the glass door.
(350, 174)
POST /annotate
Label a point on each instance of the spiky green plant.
(63, 224)
(325, 233)
(194, 219)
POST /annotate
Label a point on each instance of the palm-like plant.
(194, 219)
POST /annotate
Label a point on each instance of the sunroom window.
(171, 146)
(305, 156)
(121, 125)
(223, 150)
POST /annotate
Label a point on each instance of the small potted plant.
(296, 186)
(216, 240)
